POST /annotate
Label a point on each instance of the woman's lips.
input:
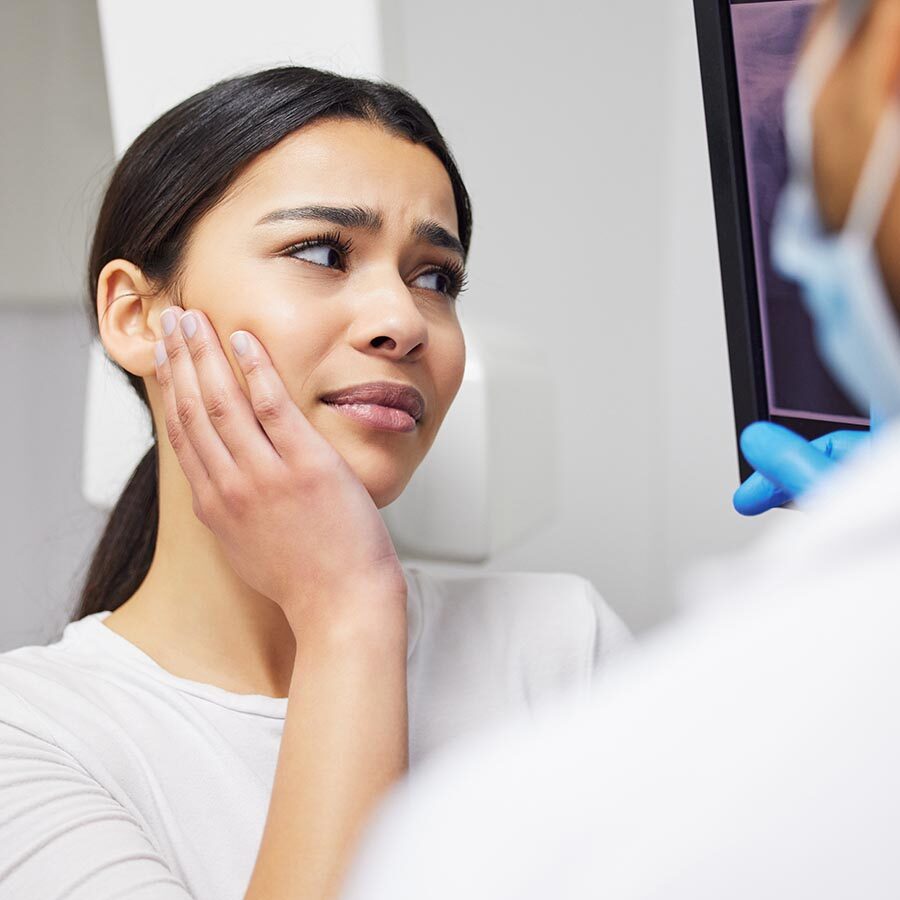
(384, 418)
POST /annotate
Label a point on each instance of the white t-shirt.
(120, 780)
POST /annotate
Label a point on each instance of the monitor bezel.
(734, 228)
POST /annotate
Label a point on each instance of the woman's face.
(373, 300)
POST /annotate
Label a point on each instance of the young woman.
(276, 268)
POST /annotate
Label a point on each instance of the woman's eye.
(320, 254)
(435, 281)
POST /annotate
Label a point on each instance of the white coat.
(751, 749)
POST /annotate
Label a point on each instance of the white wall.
(555, 120)
(55, 155)
(55, 147)
(695, 516)
(47, 530)
(208, 41)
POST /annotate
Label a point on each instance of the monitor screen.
(767, 37)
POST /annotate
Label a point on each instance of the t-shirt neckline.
(257, 704)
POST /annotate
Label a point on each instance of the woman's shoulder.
(74, 689)
(486, 645)
(513, 592)
(36, 678)
(510, 590)
(70, 642)
(549, 613)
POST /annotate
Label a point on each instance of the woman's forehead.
(347, 163)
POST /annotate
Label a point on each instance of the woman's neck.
(192, 613)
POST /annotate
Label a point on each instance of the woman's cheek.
(456, 365)
(297, 338)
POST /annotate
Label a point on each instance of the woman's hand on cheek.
(295, 522)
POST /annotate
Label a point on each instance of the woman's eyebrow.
(347, 216)
(363, 217)
(438, 236)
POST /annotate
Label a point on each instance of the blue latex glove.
(786, 464)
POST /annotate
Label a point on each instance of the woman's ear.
(128, 313)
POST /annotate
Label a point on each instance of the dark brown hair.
(172, 174)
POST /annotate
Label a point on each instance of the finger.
(288, 429)
(226, 405)
(187, 457)
(840, 444)
(189, 406)
(758, 495)
(789, 461)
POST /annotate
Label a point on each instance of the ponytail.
(125, 550)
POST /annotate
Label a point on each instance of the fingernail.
(189, 324)
(169, 321)
(160, 352)
(240, 343)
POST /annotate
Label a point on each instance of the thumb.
(789, 461)
(758, 495)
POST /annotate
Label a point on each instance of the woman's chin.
(384, 472)
(384, 486)
(381, 462)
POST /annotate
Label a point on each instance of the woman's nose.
(388, 320)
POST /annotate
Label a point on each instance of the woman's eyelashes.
(451, 274)
(330, 251)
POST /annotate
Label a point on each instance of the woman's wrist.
(354, 621)
(345, 741)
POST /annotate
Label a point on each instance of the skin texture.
(324, 329)
(845, 119)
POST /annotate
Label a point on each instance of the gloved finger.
(758, 495)
(789, 461)
(840, 444)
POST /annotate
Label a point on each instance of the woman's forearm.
(345, 742)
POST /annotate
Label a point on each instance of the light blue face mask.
(839, 272)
